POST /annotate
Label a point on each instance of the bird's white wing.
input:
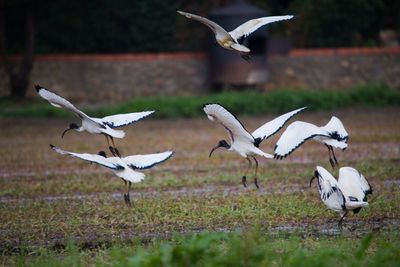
(240, 48)
(212, 25)
(353, 184)
(231, 124)
(295, 135)
(60, 102)
(120, 120)
(329, 190)
(131, 175)
(251, 26)
(147, 161)
(272, 127)
(336, 129)
(106, 162)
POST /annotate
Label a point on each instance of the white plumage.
(353, 184)
(333, 134)
(94, 125)
(348, 193)
(242, 142)
(229, 40)
(122, 167)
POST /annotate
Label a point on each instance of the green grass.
(241, 103)
(285, 223)
(252, 248)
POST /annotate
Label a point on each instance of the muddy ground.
(48, 199)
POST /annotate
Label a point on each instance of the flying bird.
(348, 193)
(103, 126)
(333, 134)
(125, 167)
(229, 40)
(242, 142)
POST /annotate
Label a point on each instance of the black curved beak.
(62, 136)
(212, 150)
(315, 176)
(312, 178)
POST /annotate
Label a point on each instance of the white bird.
(242, 142)
(123, 167)
(229, 40)
(94, 125)
(333, 134)
(348, 193)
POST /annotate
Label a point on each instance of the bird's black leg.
(126, 197)
(109, 146)
(341, 220)
(246, 57)
(333, 154)
(244, 176)
(330, 158)
(115, 148)
(255, 175)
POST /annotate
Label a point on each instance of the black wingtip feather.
(52, 146)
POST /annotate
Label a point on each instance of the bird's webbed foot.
(127, 199)
(244, 181)
(256, 182)
(117, 152)
(246, 57)
(114, 151)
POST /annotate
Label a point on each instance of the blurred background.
(110, 51)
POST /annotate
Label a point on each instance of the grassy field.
(193, 209)
(246, 102)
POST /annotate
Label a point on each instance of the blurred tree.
(18, 69)
(126, 26)
(333, 23)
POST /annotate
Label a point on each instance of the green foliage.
(365, 244)
(122, 26)
(339, 23)
(239, 102)
(251, 248)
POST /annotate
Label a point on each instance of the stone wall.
(114, 78)
(320, 69)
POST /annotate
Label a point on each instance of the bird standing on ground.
(333, 134)
(229, 40)
(242, 142)
(348, 193)
(94, 125)
(123, 167)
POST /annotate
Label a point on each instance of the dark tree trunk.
(19, 70)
